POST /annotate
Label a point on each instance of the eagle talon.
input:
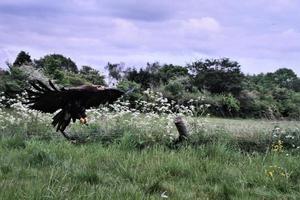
(74, 141)
(83, 120)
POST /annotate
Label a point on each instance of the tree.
(15, 80)
(86, 70)
(2, 72)
(3, 75)
(217, 75)
(136, 94)
(296, 85)
(145, 77)
(176, 87)
(168, 72)
(153, 68)
(284, 77)
(115, 70)
(92, 75)
(154, 74)
(53, 62)
(22, 58)
(262, 82)
(148, 77)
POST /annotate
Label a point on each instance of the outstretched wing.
(50, 99)
(46, 99)
(103, 96)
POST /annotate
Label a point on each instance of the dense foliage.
(217, 76)
(217, 82)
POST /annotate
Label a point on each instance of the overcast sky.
(262, 35)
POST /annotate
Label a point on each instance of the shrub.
(135, 95)
(175, 87)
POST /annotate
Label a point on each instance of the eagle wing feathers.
(50, 99)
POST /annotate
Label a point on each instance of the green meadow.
(127, 158)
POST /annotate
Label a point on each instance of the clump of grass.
(5, 169)
(89, 177)
(38, 157)
(155, 187)
(15, 142)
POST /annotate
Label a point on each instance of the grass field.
(57, 169)
(132, 157)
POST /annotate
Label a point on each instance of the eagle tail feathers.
(61, 120)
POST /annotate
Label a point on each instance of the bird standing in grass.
(72, 102)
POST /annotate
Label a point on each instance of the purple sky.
(262, 35)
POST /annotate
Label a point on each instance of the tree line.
(217, 82)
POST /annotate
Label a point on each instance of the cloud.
(281, 5)
(256, 33)
(140, 10)
(202, 24)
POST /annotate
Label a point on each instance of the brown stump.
(182, 130)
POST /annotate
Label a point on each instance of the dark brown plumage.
(72, 102)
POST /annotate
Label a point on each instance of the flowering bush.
(151, 119)
(285, 139)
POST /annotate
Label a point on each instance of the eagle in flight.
(72, 102)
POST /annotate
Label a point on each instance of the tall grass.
(56, 169)
(132, 155)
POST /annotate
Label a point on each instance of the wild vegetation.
(131, 155)
(217, 82)
(131, 151)
(56, 169)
